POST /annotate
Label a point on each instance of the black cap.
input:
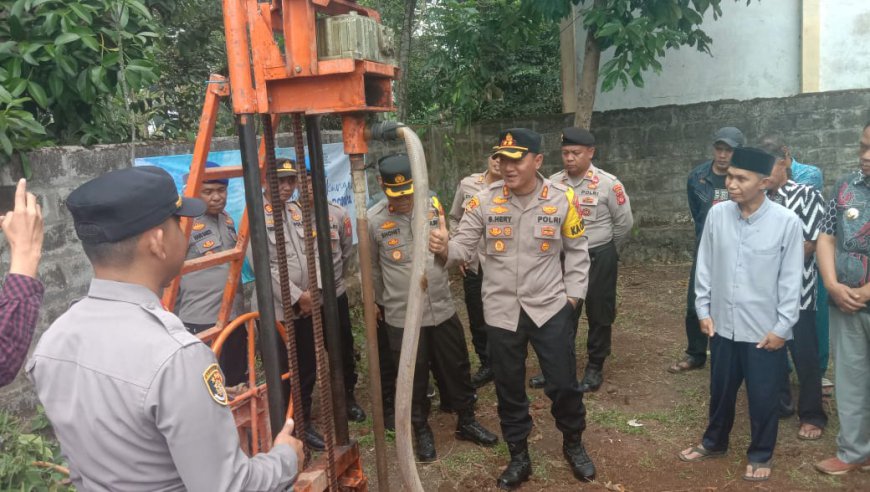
(285, 167)
(577, 136)
(123, 203)
(396, 175)
(753, 159)
(514, 143)
(730, 136)
(209, 164)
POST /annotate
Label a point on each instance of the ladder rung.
(209, 261)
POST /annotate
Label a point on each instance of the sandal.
(705, 454)
(803, 435)
(758, 466)
(687, 364)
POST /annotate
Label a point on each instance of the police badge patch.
(214, 383)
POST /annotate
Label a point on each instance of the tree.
(640, 31)
(61, 63)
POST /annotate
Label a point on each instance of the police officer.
(137, 402)
(606, 213)
(201, 293)
(442, 341)
(341, 242)
(473, 272)
(300, 292)
(527, 222)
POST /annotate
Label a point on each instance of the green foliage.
(639, 31)
(19, 448)
(62, 62)
(481, 59)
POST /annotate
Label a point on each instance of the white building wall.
(756, 52)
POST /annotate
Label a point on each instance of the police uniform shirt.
(523, 246)
(468, 187)
(392, 245)
(340, 237)
(604, 206)
(201, 292)
(138, 403)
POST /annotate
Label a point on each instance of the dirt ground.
(648, 336)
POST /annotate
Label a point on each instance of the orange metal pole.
(238, 57)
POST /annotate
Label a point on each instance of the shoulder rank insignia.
(214, 383)
(230, 222)
(498, 209)
(545, 191)
(198, 226)
(549, 209)
(388, 225)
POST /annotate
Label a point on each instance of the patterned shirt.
(19, 307)
(809, 206)
(848, 219)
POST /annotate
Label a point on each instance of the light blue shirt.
(749, 273)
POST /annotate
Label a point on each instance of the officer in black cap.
(137, 402)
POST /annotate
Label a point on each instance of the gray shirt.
(748, 278)
(201, 292)
(138, 403)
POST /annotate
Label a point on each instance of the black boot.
(425, 443)
(592, 379)
(580, 462)
(483, 376)
(469, 429)
(312, 438)
(538, 381)
(355, 413)
(520, 467)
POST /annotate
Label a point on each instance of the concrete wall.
(651, 150)
(756, 52)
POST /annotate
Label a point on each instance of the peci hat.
(123, 203)
(396, 175)
(752, 159)
(577, 136)
(514, 143)
(730, 136)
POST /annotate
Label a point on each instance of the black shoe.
(483, 376)
(469, 429)
(313, 439)
(592, 380)
(425, 444)
(578, 460)
(520, 467)
(355, 413)
(537, 382)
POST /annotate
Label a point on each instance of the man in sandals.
(748, 287)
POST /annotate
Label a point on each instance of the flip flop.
(757, 466)
(705, 454)
(804, 437)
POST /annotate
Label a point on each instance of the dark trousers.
(348, 355)
(600, 303)
(389, 370)
(306, 359)
(442, 347)
(552, 343)
(234, 354)
(730, 364)
(804, 350)
(472, 283)
(697, 340)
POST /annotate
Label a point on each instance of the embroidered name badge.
(214, 383)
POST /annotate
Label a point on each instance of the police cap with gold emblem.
(285, 167)
(396, 175)
(514, 143)
(577, 136)
(123, 203)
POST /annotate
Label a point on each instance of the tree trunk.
(588, 82)
(404, 59)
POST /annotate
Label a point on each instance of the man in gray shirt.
(137, 402)
(748, 287)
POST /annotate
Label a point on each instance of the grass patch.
(613, 419)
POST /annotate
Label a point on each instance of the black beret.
(577, 136)
(753, 159)
(123, 203)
